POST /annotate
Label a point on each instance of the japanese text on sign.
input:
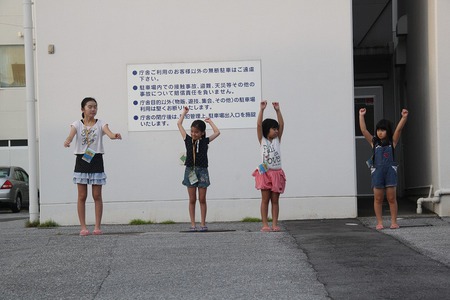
(228, 92)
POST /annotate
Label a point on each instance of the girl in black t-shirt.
(196, 176)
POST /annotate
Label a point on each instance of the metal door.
(371, 98)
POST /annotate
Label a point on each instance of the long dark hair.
(200, 125)
(84, 102)
(267, 124)
(385, 125)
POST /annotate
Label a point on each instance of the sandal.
(203, 228)
(97, 232)
(265, 229)
(84, 232)
(395, 226)
(379, 227)
(276, 228)
(193, 228)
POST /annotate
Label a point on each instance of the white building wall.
(305, 48)
(442, 23)
(13, 121)
(428, 55)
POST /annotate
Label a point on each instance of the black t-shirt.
(201, 152)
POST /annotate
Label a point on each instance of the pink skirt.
(274, 180)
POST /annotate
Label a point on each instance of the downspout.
(435, 199)
(31, 108)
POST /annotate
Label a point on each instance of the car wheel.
(17, 206)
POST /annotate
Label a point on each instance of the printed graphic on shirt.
(88, 136)
(271, 156)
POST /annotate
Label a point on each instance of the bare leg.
(265, 198)
(275, 209)
(98, 202)
(391, 195)
(378, 204)
(81, 204)
(192, 191)
(203, 208)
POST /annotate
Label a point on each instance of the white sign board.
(228, 92)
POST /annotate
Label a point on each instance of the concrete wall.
(305, 48)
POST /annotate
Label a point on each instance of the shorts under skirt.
(89, 178)
(274, 180)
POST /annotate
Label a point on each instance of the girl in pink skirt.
(269, 176)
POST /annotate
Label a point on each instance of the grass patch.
(32, 224)
(140, 222)
(253, 220)
(46, 224)
(167, 222)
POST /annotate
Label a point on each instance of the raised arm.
(110, 134)
(216, 131)
(276, 106)
(362, 126)
(400, 125)
(259, 131)
(69, 139)
(180, 122)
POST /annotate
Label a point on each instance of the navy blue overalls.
(384, 170)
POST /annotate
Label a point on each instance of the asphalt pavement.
(308, 259)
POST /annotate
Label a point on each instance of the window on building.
(12, 66)
(13, 143)
(18, 143)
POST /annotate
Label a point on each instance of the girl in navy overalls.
(384, 168)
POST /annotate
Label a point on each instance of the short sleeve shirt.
(91, 137)
(271, 153)
(201, 152)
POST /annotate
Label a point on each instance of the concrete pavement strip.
(310, 259)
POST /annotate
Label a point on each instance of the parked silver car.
(14, 189)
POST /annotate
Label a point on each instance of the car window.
(25, 176)
(18, 175)
(4, 172)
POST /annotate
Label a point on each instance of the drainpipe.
(435, 199)
(31, 108)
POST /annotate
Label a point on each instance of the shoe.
(203, 228)
(395, 226)
(84, 232)
(379, 227)
(265, 229)
(276, 228)
(192, 228)
(97, 232)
